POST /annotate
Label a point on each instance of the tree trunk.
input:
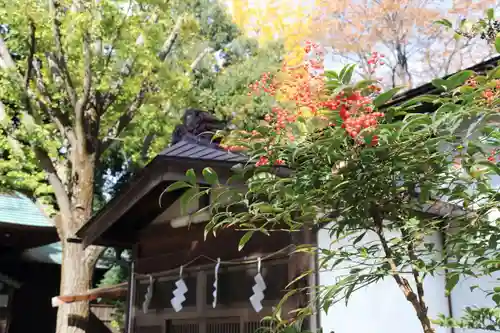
(78, 263)
(76, 277)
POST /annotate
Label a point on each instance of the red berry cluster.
(233, 148)
(305, 86)
(264, 160)
(494, 154)
(471, 83)
(375, 60)
(356, 111)
(280, 117)
(310, 45)
(266, 84)
(489, 95)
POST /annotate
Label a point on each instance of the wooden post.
(298, 264)
(129, 315)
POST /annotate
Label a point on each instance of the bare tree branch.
(29, 62)
(8, 64)
(404, 286)
(60, 58)
(169, 43)
(125, 119)
(59, 118)
(200, 57)
(92, 254)
(416, 276)
(56, 183)
(126, 71)
(87, 85)
(148, 140)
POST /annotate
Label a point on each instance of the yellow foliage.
(267, 20)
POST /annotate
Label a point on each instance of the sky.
(334, 64)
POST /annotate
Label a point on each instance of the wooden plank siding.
(161, 250)
(162, 247)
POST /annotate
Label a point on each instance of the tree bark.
(418, 304)
(78, 263)
(76, 276)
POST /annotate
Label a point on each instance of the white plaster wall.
(381, 307)
(461, 296)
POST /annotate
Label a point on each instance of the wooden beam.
(160, 170)
(114, 291)
(123, 203)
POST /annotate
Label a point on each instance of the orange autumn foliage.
(417, 50)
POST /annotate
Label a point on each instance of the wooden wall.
(162, 247)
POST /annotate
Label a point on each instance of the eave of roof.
(429, 88)
(52, 254)
(189, 149)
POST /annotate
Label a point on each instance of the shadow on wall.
(96, 325)
(31, 308)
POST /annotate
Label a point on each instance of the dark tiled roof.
(192, 147)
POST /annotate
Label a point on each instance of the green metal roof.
(52, 254)
(18, 209)
(49, 254)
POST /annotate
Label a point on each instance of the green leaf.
(359, 238)
(28, 122)
(385, 96)
(420, 99)
(497, 43)
(246, 237)
(331, 75)
(347, 75)
(177, 185)
(458, 79)
(349, 292)
(186, 198)
(210, 176)
(451, 282)
(364, 84)
(491, 166)
(490, 13)
(493, 241)
(342, 71)
(440, 84)
(191, 176)
(424, 194)
(496, 299)
(444, 22)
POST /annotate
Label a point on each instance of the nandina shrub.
(328, 154)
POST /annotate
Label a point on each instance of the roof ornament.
(198, 124)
